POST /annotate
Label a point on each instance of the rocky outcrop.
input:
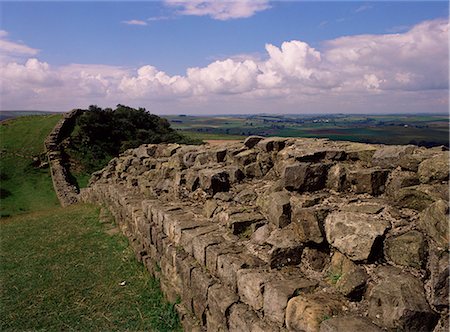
(280, 234)
(66, 191)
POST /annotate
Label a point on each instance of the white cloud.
(219, 9)
(10, 51)
(346, 74)
(135, 22)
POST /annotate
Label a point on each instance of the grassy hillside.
(25, 187)
(61, 269)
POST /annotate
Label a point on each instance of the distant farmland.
(424, 130)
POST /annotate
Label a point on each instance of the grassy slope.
(59, 270)
(31, 189)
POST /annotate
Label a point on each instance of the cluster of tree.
(101, 134)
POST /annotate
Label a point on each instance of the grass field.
(24, 187)
(419, 129)
(61, 269)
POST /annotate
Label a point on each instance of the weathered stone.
(308, 311)
(245, 157)
(250, 284)
(408, 249)
(272, 144)
(304, 176)
(308, 223)
(369, 208)
(209, 208)
(412, 198)
(434, 169)
(246, 196)
(400, 179)
(315, 259)
(213, 181)
(397, 301)
(434, 221)
(371, 181)
(348, 324)
(276, 208)
(253, 170)
(354, 234)
(229, 264)
(396, 155)
(336, 178)
(241, 222)
(223, 196)
(349, 278)
(438, 283)
(277, 293)
(242, 318)
(286, 248)
(251, 141)
(201, 242)
(200, 282)
(220, 299)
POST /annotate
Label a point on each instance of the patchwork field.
(424, 130)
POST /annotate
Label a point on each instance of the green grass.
(29, 188)
(210, 136)
(61, 271)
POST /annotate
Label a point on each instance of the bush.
(101, 134)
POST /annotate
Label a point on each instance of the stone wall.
(66, 191)
(288, 234)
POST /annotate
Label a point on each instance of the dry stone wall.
(281, 234)
(66, 192)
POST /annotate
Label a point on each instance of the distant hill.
(4, 115)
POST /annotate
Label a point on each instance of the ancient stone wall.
(288, 234)
(66, 192)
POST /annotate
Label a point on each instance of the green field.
(61, 269)
(425, 130)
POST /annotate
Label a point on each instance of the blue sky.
(194, 56)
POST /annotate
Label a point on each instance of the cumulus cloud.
(135, 22)
(343, 74)
(10, 50)
(219, 9)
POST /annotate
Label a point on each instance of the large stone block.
(276, 208)
(308, 223)
(434, 222)
(304, 176)
(250, 285)
(435, 168)
(306, 312)
(408, 249)
(200, 283)
(371, 181)
(348, 324)
(348, 278)
(220, 299)
(355, 234)
(397, 301)
(278, 292)
(392, 156)
(213, 181)
(438, 283)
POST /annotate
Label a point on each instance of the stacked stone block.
(288, 234)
